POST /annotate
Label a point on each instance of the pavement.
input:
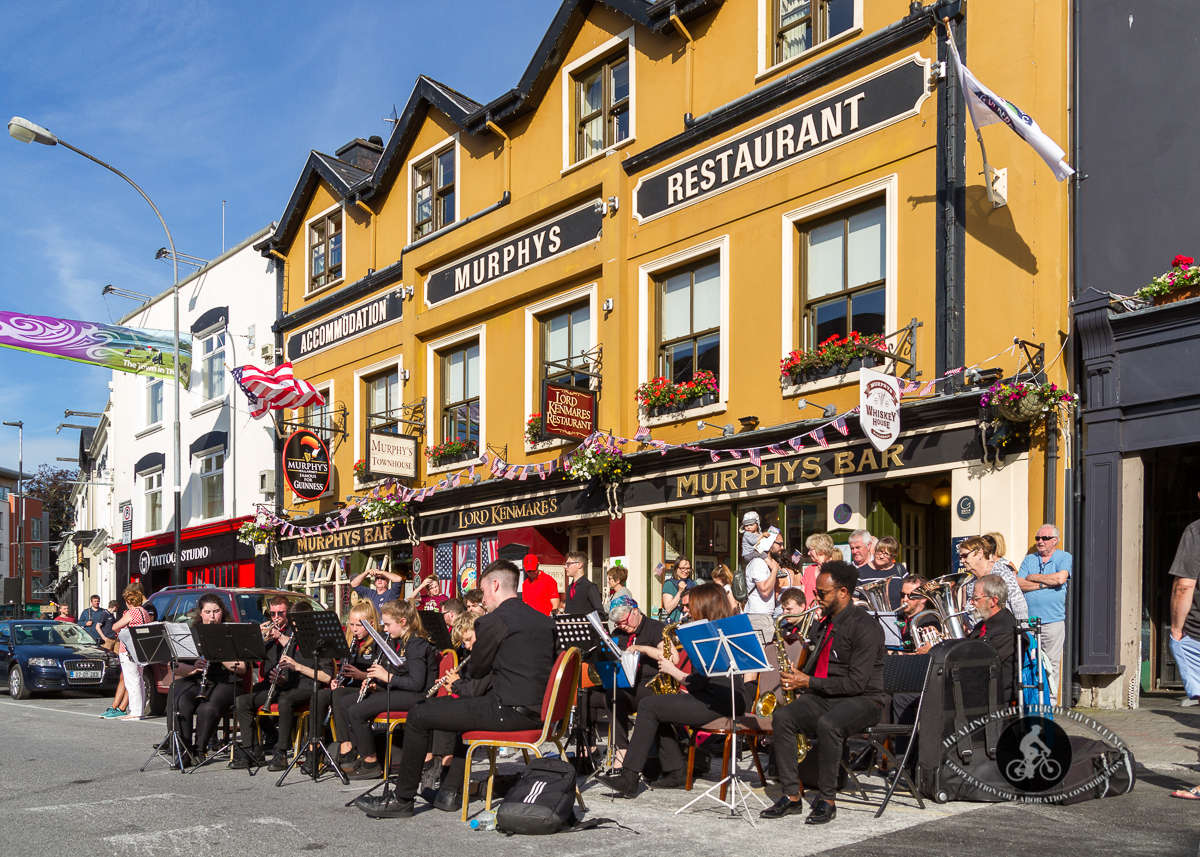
(69, 783)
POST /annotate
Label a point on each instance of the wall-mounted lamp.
(407, 292)
(726, 430)
(608, 304)
(404, 375)
(827, 410)
(941, 496)
(750, 422)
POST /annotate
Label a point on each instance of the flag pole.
(995, 197)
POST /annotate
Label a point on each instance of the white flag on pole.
(987, 107)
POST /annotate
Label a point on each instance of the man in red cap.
(540, 590)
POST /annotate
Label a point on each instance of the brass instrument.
(767, 702)
(663, 683)
(437, 685)
(945, 593)
(928, 635)
(875, 593)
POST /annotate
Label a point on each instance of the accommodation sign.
(866, 105)
(355, 321)
(532, 247)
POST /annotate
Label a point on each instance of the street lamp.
(19, 425)
(28, 132)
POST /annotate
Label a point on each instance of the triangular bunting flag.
(756, 457)
(736, 453)
(840, 425)
(819, 436)
(796, 443)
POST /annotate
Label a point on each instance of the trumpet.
(928, 635)
(437, 685)
(663, 683)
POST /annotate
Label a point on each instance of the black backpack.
(542, 801)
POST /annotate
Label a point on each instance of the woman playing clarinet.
(204, 690)
(350, 676)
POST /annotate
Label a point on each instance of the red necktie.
(982, 631)
(822, 669)
(573, 585)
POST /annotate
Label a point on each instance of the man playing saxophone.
(839, 693)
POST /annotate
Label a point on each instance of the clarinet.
(369, 683)
(281, 676)
(437, 685)
(203, 694)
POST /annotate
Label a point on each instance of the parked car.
(178, 604)
(40, 655)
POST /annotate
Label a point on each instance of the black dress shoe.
(672, 780)
(784, 806)
(388, 806)
(625, 782)
(246, 759)
(367, 771)
(447, 800)
(279, 762)
(823, 812)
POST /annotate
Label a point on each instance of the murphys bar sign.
(567, 412)
(543, 242)
(866, 105)
(346, 325)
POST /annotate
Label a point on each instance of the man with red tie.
(843, 677)
(582, 596)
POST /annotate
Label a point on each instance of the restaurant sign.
(567, 411)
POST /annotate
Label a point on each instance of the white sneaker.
(132, 717)
(1188, 701)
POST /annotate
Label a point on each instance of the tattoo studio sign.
(547, 240)
(866, 105)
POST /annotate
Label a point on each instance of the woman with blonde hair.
(821, 550)
(407, 682)
(723, 577)
(351, 675)
(996, 548)
(131, 672)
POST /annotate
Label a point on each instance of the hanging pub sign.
(879, 407)
(306, 465)
(359, 319)
(868, 104)
(567, 412)
(543, 242)
(391, 455)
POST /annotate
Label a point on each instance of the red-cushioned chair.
(392, 719)
(557, 705)
(298, 733)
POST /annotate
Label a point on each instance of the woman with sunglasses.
(351, 674)
(218, 681)
(973, 554)
(673, 588)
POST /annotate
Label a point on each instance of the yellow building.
(672, 188)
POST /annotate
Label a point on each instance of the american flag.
(819, 436)
(642, 433)
(443, 567)
(275, 389)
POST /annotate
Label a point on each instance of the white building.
(227, 459)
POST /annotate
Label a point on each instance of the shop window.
(184, 609)
(212, 366)
(152, 500)
(433, 183)
(212, 485)
(323, 572)
(800, 24)
(379, 562)
(566, 335)
(383, 398)
(296, 573)
(713, 540)
(602, 105)
(689, 321)
(325, 251)
(804, 515)
(154, 402)
(460, 393)
(843, 276)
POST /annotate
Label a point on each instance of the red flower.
(1182, 262)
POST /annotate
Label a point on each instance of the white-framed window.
(791, 28)
(599, 100)
(36, 526)
(379, 562)
(456, 378)
(296, 573)
(323, 572)
(383, 398)
(212, 484)
(212, 365)
(154, 401)
(152, 500)
(545, 321)
(325, 250)
(434, 203)
(321, 418)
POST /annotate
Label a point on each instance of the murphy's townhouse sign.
(866, 105)
(532, 247)
(355, 321)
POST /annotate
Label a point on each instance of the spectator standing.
(761, 579)
(131, 671)
(821, 550)
(582, 596)
(108, 635)
(64, 614)
(387, 587)
(972, 553)
(1043, 580)
(1185, 612)
(540, 590)
(862, 550)
(674, 587)
(617, 575)
(472, 599)
(93, 618)
(883, 564)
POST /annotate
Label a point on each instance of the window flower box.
(1178, 284)
(451, 452)
(659, 396)
(835, 356)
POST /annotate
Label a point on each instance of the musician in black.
(350, 676)
(407, 682)
(581, 596)
(631, 628)
(840, 692)
(514, 646)
(707, 698)
(996, 624)
(276, 633)
(912, 604)
(301, 673)
(218, 684)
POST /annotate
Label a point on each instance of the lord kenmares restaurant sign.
(567, 411)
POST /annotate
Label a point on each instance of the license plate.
(86, 674)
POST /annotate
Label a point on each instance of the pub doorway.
(913, 513)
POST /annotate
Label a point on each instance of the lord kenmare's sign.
(866, 105)
(541, 243)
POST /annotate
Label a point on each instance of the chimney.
(364, 154)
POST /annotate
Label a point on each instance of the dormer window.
(325, 251)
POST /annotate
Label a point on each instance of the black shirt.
(895, 578)
(515, 645)
(906, 627)
(361, 657)
(419, 669)
(855, 666)
(583, 597)
(1001, 631)
(648, 633)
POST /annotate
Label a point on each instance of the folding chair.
(392, 719)
(749, 725)
(557, 704)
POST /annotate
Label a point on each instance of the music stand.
(726, 647)
(387, 651)
(236, 641)
(575, 630)
(435, 625)
(157, 643)
(318, 635)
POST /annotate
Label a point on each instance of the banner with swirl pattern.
(125, 349)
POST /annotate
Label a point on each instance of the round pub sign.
(306, 465)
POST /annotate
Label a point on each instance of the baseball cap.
(750, 518)
(530, 562)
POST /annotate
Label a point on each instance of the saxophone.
(767, 702)
(663, 683)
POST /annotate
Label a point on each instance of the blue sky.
(197, 103)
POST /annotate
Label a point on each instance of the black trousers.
(456, 715)
(831, 721)
(331, 699)
(247, 713)
(658, 715)
(360, 714)
(207, 712)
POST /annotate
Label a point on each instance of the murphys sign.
(306, 465)
(355, 321)
(568, 411)
(879, 407)
(543, 242)
(866, 105)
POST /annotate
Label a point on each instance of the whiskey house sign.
(866, 105)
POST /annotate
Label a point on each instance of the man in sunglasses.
(276, 637)
(843, 683)
(1043, 579)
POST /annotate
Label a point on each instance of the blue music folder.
(724, 646)
(607, 670)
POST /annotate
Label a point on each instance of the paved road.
(69, 783)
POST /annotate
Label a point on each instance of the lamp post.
(19, 425)
(28, 132)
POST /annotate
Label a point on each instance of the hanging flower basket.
(382, 509)
(1025, 401)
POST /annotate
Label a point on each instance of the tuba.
(663, 683)
(875, 593)
(945, 593)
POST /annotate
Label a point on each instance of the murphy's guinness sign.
(866, 105)
(355, 321)
(534, 246)
(306, 465)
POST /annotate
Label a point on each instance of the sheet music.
(609, 642)
(383, 644)
(183, 642)
(629, 665)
